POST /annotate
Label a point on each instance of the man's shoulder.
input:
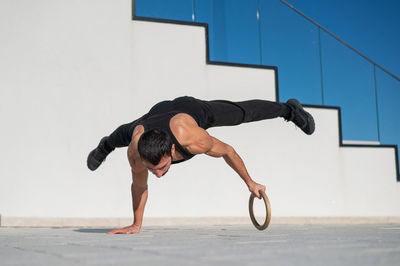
(182, 120)
(182, 123)
(182, 126)
(137, 132)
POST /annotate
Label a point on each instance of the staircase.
(62, 92)
(314, 175)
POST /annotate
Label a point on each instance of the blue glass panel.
(242, 32)
(166, 9)
(213, 13)
(388, 107)
(291, 42)
(233, 28)
(203, 11)
(349, 83)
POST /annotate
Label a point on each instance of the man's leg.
(121, 137)
(228, 113)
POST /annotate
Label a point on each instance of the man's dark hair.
(153, 145)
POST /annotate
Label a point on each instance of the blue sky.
(370, 26)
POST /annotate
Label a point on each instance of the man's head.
(155, 148)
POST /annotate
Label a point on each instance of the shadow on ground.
(93, 230)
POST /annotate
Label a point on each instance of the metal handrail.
(340, 40)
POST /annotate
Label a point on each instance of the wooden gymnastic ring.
(267, 207)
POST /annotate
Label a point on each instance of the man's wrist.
(249, 182)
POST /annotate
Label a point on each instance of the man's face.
(161, 168)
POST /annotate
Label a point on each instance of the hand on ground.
(132, 229)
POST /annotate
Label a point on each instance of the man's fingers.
(116, 231)
(256, 189)
(122, 231)
(257, 192)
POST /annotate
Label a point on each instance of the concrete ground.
(377, 244)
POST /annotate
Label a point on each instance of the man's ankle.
(104, 144)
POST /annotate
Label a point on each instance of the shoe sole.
(92, 163)
(310, 119)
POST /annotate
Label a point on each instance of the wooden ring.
(267, 207)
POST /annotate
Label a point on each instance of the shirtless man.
(175, 131)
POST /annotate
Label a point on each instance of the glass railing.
(291, 43)
(348, 81)
(388, 95)
(314, 65)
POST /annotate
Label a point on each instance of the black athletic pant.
(206, 113)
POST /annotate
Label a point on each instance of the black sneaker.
(299, 117)
(98, 155)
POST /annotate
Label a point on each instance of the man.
(175, 131)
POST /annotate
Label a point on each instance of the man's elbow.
(139, 172)
(229, 151)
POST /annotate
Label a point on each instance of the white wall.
(72, 71)
(64, 67)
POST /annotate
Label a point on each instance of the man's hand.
(132, 229)
(255, 189)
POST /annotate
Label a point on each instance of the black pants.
(207, 114)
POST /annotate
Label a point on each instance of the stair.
(305, 175)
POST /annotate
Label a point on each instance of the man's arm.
(139, 194)
(139, 189)
(201, 142)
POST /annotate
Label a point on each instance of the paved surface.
(212, 245)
